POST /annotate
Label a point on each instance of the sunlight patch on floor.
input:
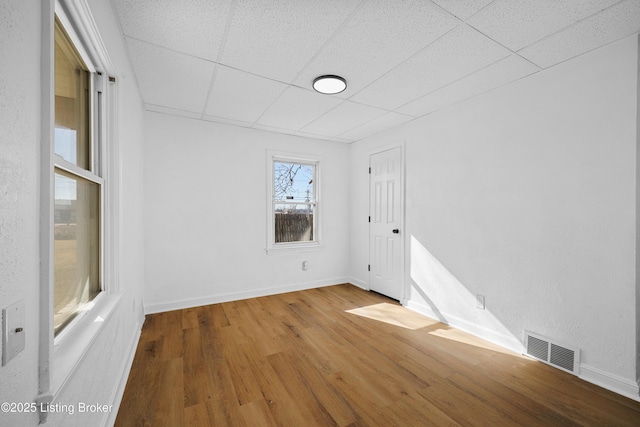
(394, 315)
(465, 338)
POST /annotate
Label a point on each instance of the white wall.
(19, 166)
(526, 195)
(205, 214)
(98, 376)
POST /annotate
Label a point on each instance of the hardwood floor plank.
(382, 353)
(323, 391)
(288, 370)
(268, 332)
(286, 412)
(196, 415)
(246, 388)
(412, 411)
(257, 413)
(417, 352)
(561, 394)
(277, 399)
(219, 377)
(170, 408)
(345, 357)
(290, 324)
(368, 405)
(467, 409)
(231, 313)
(190, 318)
(197, 388)
(329, 355)
(212, 316)
(513, 404)
(367, 367)
(222, 412)
(139, 404)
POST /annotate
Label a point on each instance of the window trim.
(94, 172)
(59, 356)
(316, 245)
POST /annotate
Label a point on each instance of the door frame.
(403, 240)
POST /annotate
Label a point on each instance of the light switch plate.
(13, 332)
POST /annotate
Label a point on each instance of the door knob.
(396, 231)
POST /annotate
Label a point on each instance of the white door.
(385, 235)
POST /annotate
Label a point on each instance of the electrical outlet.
(305, 265)
(480, 302)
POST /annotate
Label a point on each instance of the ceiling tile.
(296, 108)
(612, 24)
(241, 96)
(463, 9)
(170, 79)
(519, 23)
(276, 38)
(498, 74)
(380, 124)
(379, 36)
(344, 117)
(195, 27)
(453, 56)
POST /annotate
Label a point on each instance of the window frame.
(304, 246)
(93, 173)
(60, 354)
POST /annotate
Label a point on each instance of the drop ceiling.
(251, 63)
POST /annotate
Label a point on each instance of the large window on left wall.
(77, 183)
(79, 202)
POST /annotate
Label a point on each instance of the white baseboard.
(424, 309)
(359, 283)
(118, 392)
(505, 341)
(611, 382)
(588, 373)
(235, 296)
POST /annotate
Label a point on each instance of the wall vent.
(552, 353)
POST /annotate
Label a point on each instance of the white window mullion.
(62, 164)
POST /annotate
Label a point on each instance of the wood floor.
(340, 356)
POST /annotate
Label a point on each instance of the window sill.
(295, 248)
(71, 345)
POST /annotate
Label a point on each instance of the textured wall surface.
(205, 213)
(526, 195)
(19, 166)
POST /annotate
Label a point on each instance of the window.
(79, 239)
(293, 203)
(77, 184)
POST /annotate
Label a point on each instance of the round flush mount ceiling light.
(329, 85)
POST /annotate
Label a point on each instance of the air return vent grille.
(560, 356)
(538, 348)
